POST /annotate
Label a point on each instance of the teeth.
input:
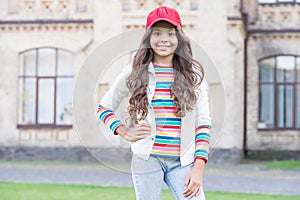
(162, 46)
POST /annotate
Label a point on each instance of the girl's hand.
(193, 182)
(139, 131)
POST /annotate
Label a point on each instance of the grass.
(25, 191)
(64, 165)
(284, 165)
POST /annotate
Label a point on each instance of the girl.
(169, 109)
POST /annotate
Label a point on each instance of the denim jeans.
(148, 177)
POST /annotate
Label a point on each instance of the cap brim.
(163, 19)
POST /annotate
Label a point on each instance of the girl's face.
(163, 39)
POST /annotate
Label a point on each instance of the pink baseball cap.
(163, 13)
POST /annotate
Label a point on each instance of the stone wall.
(273, 33)
(216, 26)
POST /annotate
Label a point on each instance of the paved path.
(246, 178)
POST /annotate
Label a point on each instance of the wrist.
(122, 131)
(199, 163)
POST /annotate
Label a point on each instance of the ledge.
(283, 30)
(43, 126)
(41, 21)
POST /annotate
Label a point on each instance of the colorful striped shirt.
(168, 126)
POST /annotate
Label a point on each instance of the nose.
(163, 39)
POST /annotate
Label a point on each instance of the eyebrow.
(160, 28)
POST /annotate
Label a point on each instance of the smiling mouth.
(163, 46)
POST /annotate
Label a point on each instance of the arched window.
(45, 88)
(279, 92)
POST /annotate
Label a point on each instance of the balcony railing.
(47, 10)
(134, 5)
(278, 16)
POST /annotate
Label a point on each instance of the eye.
(172, 34)
(156, 33)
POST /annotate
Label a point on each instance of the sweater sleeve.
(202, 139)
(112, 99)
(203, 123)
(109, 118)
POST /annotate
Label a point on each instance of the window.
(126, 5)
(279, 92)
(45, 88)
(13, 6)
(193, 4)
(81, 5)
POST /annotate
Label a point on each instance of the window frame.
(13, 7)
(79, 8)
(278, 2)
(37, 77)
(276, 85)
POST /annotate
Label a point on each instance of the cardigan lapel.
(187, 137)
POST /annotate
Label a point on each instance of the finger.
(136, 138)
(144, 125)
(186, 182)
(192, 187)
(199, 192)
(188, 193)
(143, 132)
(194, 192)
(144, 128)
(188, 190)
(141, 137)
(129, 137)
(138, 133)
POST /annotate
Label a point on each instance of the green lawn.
(284, 165)
(29, 191)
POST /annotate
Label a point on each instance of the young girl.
(169, 109)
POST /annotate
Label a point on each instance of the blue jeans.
(148, 177)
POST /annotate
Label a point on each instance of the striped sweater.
(168, 126)
(167, 139)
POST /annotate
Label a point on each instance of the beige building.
(254, 78)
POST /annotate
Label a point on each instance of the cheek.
(175, 42)
(152, 42)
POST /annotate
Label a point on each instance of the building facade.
(254, 46)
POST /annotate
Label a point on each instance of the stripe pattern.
(168, 126)
(202, 139)
(109, 118)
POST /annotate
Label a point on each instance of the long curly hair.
(188, 76)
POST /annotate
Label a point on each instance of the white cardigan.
(199, 116)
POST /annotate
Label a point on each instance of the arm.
(202, 139)
(109, 118)
(111, 101)
(193, 183)
(203, 124)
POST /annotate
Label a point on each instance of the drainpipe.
(245, 22)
